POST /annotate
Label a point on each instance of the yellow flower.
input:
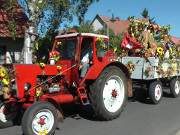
(170, 50)
(42, 65)
(5, 81)
(99, 39)
(38, 91)
(174, 66)
(59, 68)
(160, 51)
(115, 49)
(45, 132)
(4, 76)
(3, 72)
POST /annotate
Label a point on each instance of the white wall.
(13, 49)
(97, 25)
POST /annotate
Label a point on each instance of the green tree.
(50, 14)
(145, 14)
(9, 8)
(81, 8)
(85, 27)
(114, 40)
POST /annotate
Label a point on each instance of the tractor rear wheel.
(108, 94)
(40, 118)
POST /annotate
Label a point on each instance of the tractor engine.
(50, 84)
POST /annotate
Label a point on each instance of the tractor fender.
(127, 74)
(95, 72)
(121, 67)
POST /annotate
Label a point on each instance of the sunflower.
(160, 51)
(4, 77)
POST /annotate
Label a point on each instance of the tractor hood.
(28, 73)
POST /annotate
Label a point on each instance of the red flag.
(130, 43)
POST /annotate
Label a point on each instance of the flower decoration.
(59, 69)
(149, 53)
(99, 39)
(54, 55)
(38, 91)
(148, 71)
(42, 65)
(4, 82)
(130, 66)
(4, 78)
(160, 51)
(101, 44)
(44, 132)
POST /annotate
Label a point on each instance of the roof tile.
(20, 18)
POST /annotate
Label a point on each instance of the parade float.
(37, 91)
(152, 57)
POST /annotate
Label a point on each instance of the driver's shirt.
(85, 58)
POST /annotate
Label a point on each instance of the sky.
(165, 11)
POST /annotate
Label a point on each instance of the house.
(176, 40)
(115, 24)
(11, 48)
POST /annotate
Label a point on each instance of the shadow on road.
(86, 112)
(78, 112)
(141, 95)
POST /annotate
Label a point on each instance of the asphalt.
(138, 118)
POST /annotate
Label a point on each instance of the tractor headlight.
(27, 86)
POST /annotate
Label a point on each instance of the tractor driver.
(86, 57)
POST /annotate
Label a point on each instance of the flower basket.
(52, 61)
(54, 56)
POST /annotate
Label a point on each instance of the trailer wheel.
(175, 87)
(155, 92)
(108, 94)
(7, 115)
(40, 118)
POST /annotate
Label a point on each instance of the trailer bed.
(152, 68)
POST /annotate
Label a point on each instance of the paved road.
(138, 118)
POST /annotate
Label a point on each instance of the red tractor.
(86, 71)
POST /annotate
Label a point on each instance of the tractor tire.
(175, 87)
(40, 118)
(108, 94)
(7, 115)
(155, 92)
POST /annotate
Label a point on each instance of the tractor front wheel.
(40, 118)
(108, 94)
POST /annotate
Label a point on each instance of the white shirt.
(85, 58)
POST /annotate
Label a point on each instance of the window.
(2, 55)
(66, 48)
(86, 47)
